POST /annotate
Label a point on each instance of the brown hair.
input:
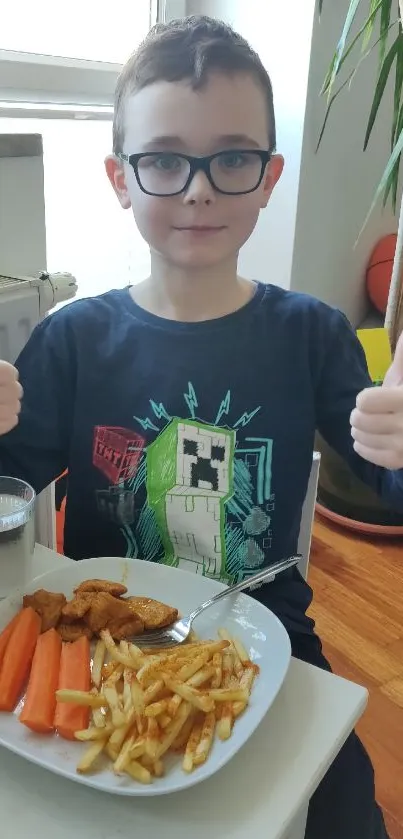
(189, 48)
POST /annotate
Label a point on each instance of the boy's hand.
(10, 397)
(377, 421)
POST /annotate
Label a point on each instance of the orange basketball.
(379, 271)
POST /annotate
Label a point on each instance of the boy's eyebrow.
(165, 141)
(238, 140)
(172, 142)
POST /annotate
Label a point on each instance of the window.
(60, 58)
(87, 232)
(53, 67)
(79, 29)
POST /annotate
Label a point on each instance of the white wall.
(338, 183)
(282, 39)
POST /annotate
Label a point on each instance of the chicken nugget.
(48, 605)
(76, 609)
(115, 589)
(155, 615)
(124, 628)
(74, 631)
(103, 609)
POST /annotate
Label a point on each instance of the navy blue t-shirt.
(190, 443)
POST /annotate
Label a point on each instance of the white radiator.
(24, 301)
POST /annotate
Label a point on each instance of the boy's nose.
(199, 190)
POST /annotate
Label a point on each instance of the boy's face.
(201, 227)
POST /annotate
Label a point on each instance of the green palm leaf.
(393, 180)
(386, 12)
(389, 55)
(380, 87)
(348, 81)
(383, 183)
(327, 84)
(370, 23)
(337, 58)
(330, 104)
(398, 88)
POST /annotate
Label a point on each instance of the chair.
(45, 519)
(307, 516)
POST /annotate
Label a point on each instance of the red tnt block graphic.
(117, 452)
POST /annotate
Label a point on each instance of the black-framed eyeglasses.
(230, 172)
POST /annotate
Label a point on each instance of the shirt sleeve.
(344, 374)
(37, 449)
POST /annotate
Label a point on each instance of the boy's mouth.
(200, 228)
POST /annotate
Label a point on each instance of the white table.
(263, 792)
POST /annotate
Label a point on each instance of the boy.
(220, 380)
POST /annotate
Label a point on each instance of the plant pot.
(348, 498)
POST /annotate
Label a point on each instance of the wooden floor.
(358, 607)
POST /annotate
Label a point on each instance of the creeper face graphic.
(189, 479)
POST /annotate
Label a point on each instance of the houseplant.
(382, 29)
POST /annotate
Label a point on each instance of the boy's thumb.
(394, 376)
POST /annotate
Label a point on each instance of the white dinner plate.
(260, 631)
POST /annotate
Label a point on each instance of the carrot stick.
(6, 635)
(38, 712)
(74, 675)
(18, 657)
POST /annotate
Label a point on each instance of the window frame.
(34, 85)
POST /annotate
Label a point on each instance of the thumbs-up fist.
(10, 397)
(377, 420)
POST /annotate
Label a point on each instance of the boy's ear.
(272, 175)
(115, 171)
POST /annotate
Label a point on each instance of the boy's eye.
(167, 162)
(235, 159)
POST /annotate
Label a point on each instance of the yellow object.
(377, 350)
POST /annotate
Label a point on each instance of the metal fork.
(179, 631)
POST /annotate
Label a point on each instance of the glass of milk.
(17, 534)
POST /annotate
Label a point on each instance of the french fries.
(80, 697)
(192, 744)
(89, 757)
(113, 700)
(224, 713)
(94, 733)
(97, 663)
(206, 739)
(192, 695)
(114, 651)
(146, 703)
(152, 738)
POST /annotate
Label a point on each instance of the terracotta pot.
(347, 501)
